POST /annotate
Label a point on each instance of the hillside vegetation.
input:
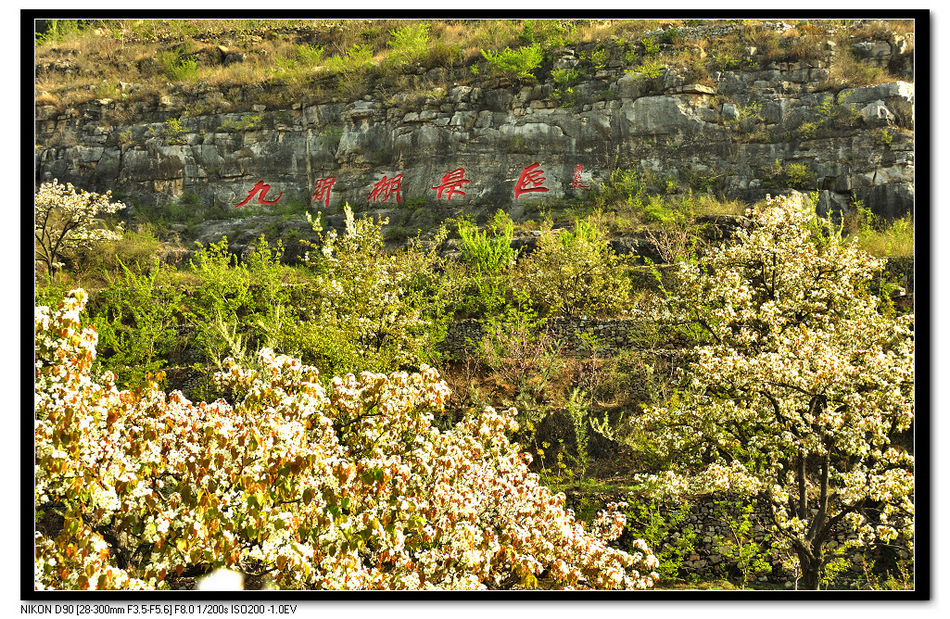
(307, 61)
(650, 385)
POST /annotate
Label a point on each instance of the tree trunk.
(811, 567)
(810, 574)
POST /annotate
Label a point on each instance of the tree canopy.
(799, 389)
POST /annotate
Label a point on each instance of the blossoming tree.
(799, 389)
(65, 221)
(347, 486)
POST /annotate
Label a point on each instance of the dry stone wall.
(505, 144)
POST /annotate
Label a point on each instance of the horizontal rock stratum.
(495, 142)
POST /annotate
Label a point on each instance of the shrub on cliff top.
(519, 62)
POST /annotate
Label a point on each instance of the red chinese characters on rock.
(531, 180)
(385, 188)
(576, 182)
(453, 183)
(263, 188)
(321, 191)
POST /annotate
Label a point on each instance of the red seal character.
(263, 188)
(576, 183)
(453, 182)
(321, 191)
(531, 180)
(386, 187)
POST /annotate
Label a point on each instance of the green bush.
(60, 30)
(650, 70)
(374, 310)
(624, 186)
(650, 46)
(523, 357)
(574, 274)
(677, 211)
(248, 121)
(409, 44)
(548, 33)
(798, 175)
(136, 246)
(179, 69)
(740, 545)
(515, 62)
(357, 58)
(880, 238)
(663, 530)
(487, 261)
(174, 131)
(236, 307)
(137, 320)
(309, 55)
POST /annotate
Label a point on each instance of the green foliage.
(826, 109)
(515, 62)
(574, 273)
(523, 354)
(578, 410)
(885, 136)
(877, 236)
(798, 175)
(739, 545)
(60, 30)
(488, 258)
(138, 323)
(564, 81)
(808, 130)
(670, 210)
(309, 55)
(650, 46)
(630, 56)
(236, 307)
(179, 69)
(135, 246)
(548, 33)
(357, 58)
(650, 70)
(624, 186)
(665, 532)
(747, 117)
(597, 58)
(174, 131)
(726, 60)
(247, 122)
(409, 43)
(899, 578)
(830, 118)
(376, 310)
(670, 35)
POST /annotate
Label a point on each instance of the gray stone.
(876, 113)
(876, 50)
(898, 90)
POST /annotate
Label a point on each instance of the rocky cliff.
(762, 125)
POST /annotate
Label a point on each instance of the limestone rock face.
(488, 143)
